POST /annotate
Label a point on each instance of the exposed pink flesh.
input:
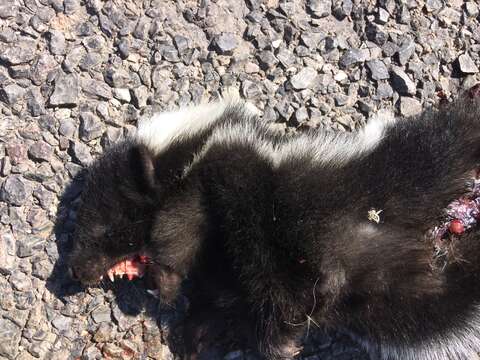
(464, 211)
(460, 216)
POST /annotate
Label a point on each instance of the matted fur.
(274, 232)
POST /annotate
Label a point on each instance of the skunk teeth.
(111, 276)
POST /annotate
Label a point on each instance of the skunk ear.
(142, 163)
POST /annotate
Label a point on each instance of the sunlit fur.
(273, 231)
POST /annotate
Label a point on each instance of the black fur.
(273, 248)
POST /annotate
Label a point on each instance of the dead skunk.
(278, 234)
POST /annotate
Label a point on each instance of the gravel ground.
(76, 75)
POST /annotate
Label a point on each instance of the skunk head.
(114, 219)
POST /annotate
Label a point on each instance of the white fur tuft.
(159, 131)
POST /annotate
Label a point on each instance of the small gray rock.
(92, 353)
(90, 126)
(124, 48)
(67, 128)
(401, 82)
(409, 106)
(17, 152)
(43, 65)
(433, 5)
(378, 69)
(40, 151)
(28, 245)
(466, 64)
(311, 40)
(251, 90)
(267, 60)
(352, 57)
(45, 198)
(73, 58)
(5, 166)
(320, 8)
(389, 48)
(23, 52)
(123, 320)
(304, 79)
(71, 6)
(81, 153)
(104, 333)
(301, 114)
(122, 95)
(346, 121)
(20, 281)
(286, 57)
(7, 253)
(111, 136)
(406, 51)
(384, 90)
(382, 16)
(8, 10)
(471, 8)
(341, 100)
(169, 53)
(11, 93)
(112, 351)
(96, 89)
(101, 314)
(404, 17)
(342, 8)
(251, 68)
(9, 338)
(142, 28)
(42, 269)
(15, 190)
(56, 42)
(118, 78)
(226, 42)
(90, 60)
(181, 43)
(62, 323)
(21, 71)
(365, 105)
(35, 102)
(140, 96)
(66, 91)
(450, 16)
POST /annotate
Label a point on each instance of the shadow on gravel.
(59, 282)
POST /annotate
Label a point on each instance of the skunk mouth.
(133, 267)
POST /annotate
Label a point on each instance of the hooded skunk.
(278, 233)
